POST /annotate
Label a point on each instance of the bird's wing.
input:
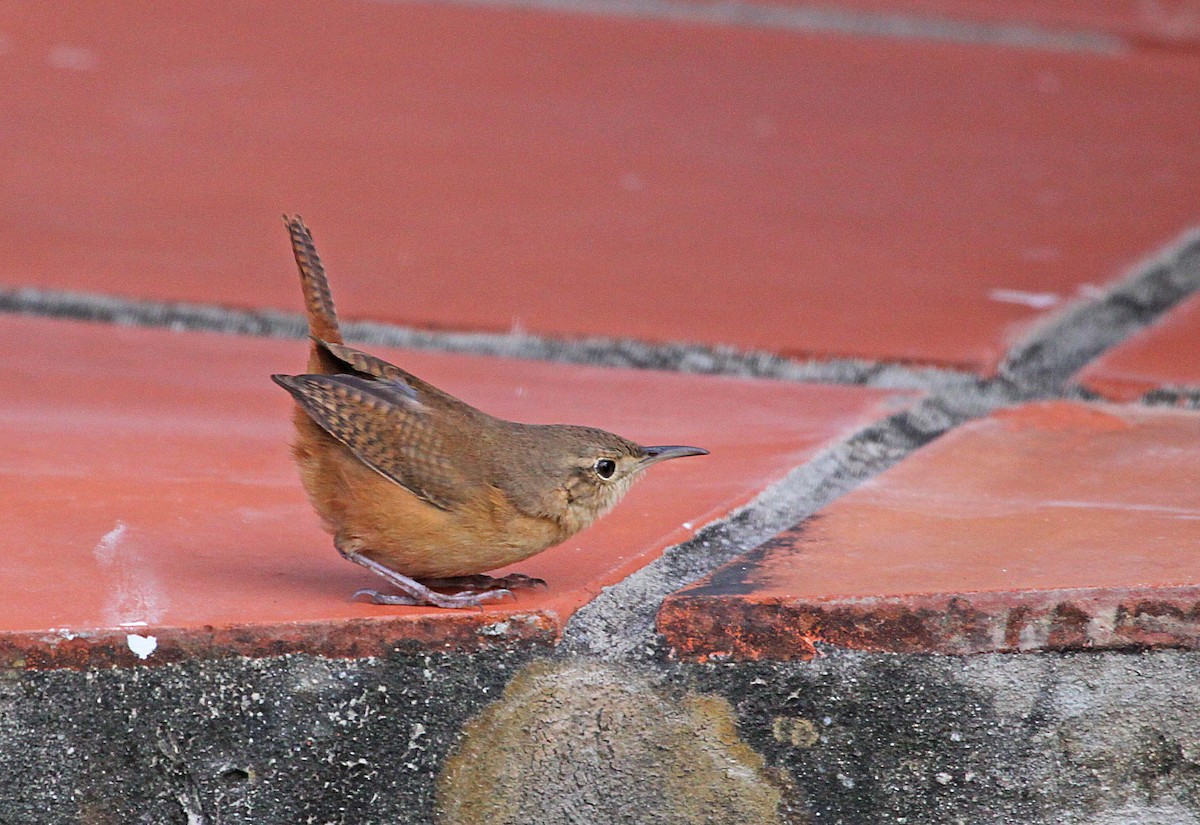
(386, 425)
(368, 364)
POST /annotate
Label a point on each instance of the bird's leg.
(484, 582)
(413, 592)
(416, 593)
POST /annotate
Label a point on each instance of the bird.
(425, 490)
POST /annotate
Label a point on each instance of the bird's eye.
(605, 467)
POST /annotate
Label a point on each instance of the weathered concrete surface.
(1072, 739)
(857, 739)
(288, 740)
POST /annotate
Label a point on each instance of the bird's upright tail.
(318, 302)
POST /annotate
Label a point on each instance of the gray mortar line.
(619, 623)
(825, 20)
(1064, 343)
(607, 352)
(1187, 398)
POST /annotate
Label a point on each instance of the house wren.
(427, 491)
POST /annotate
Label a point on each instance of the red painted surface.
(1050, 526)
(1166, 355)
(572, 174)
(146, 478)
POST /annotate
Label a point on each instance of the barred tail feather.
(322, 316)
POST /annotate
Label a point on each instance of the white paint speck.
(1033, 300)
(687, 525)
(74, 58)
(142, 646)
(1129, 506)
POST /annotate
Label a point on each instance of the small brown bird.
(424, 489)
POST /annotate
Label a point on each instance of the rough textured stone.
(1070, 739)
(295, 739)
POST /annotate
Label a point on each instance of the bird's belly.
(419, 540)
(409, 535)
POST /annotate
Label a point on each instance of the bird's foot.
(465, 598)
(482, 582)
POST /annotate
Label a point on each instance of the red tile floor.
(148, 484)
(490, 168)
(482, 167)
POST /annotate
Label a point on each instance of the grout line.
(1065, 342)
(607, 352)
(810, 19)
(1184, 398)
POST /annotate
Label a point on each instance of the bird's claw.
(521, 580)
(481, 582)
(376, 597)
(466, 598)
(482, 596)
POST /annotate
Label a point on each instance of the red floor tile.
(147, 479)
(567, 174)
(1050, 526)
(1164, 355)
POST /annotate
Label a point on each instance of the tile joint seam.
(698, 359)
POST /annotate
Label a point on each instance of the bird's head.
(577, 474)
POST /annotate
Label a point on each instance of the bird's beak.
(657, 454)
